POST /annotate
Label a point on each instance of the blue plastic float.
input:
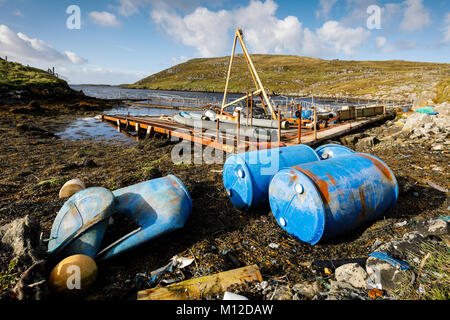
(158, 206)
(330, 151)
(81, 223)
(246, 176)
(321, 200)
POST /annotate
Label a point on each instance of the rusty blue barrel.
(330, 151)
(246, 176)
(158, 206)
(81, 223)
(321, 200)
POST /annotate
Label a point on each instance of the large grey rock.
(281, 293)
(306, 289)
(353, 274)
(23, 237)
(368, 142)
(433, 227)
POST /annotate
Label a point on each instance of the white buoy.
(71, 187)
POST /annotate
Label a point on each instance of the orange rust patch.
(321, 185)
(380, 166)
(293, 178)
(333, 182)
(363, 205)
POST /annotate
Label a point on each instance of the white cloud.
(447, 29)
(202, 29)
(129, 7)
(104, 19)
(343, 39)
(209, 31)
(22, 48)
(380, 42)
(325, 7)
(416, 16)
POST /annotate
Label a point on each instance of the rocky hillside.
(306, 76)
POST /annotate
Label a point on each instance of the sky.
(121, 41)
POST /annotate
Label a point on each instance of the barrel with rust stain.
(321, 200)
(330, 151)
(158, 206)
(246, 176)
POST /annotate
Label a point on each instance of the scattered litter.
(196, 288)
(401, 224)
(420, 290)
(233, 296)
(375, 293)
(385, 257)
(176, 262)
(71, 187)
(327, 271)
(376, 244)
(445, 218)
(427, 110)
(274, 246)
(435, 186)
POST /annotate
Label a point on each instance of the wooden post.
(252, 67)
(246, 115)
(279, 127)
(238, 129)
(229, 72)
(251, 110)
(217, 128)
(300, 124)
(315, 124)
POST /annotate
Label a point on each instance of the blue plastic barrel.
(321, 200)
(330, 151)
(246, 176)
(158, 206)
(81, 223)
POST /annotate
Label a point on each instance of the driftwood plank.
(195, 288)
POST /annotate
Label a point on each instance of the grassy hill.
(17, 75)
(306, 76)
(19, 83)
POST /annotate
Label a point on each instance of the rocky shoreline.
(415, 146)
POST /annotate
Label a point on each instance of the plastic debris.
(427, 110)
(197, 288)
(437, 187)
(385, 257)
(375, 293)
(232, 296)
(176, 262)
(327, 271)
(401, 224)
